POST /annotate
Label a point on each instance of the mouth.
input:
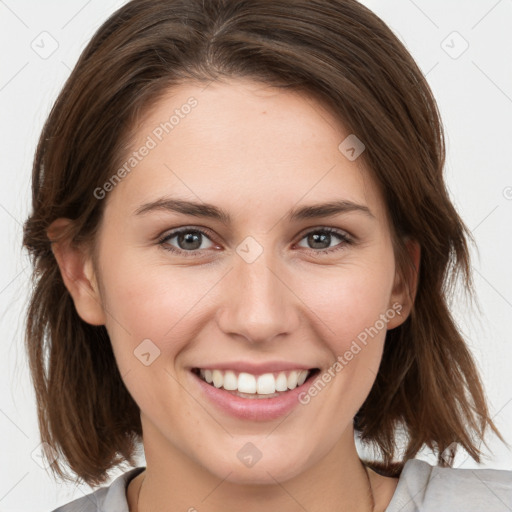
(251, 386)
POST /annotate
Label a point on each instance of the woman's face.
(264, 289)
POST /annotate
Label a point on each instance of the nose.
(258, 304)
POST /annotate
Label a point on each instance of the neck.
(336, 481)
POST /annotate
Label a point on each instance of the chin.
(265, 471)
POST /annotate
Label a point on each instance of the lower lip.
(254, 409)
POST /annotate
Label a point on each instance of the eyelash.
(162, 242)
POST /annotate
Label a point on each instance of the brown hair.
(349, 59)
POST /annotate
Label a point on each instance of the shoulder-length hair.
(348, 58)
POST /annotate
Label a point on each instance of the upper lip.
(256, 368)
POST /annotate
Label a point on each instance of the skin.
(256, 152)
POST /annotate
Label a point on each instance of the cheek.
(350, 305)
(349, 300)
(146, 301)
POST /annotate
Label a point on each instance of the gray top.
(421, 487)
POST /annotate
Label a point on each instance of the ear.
(77, 272)
(404, 289)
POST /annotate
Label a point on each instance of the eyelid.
(328, 229)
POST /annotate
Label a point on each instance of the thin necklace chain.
(365, 470)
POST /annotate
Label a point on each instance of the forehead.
(243, 142)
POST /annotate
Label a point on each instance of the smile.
(249, 386)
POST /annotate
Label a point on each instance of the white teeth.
(230, 381)
(292, 380)
(246, 383)
(218, 379)
(301, 378)
(266, 384)
(281, 382)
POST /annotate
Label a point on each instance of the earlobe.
(77, 272)
(404, 293)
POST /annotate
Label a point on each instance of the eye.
(320, 239)
(188, 240)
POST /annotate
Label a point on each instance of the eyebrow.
(207, 210)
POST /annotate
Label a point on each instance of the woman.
(243, 251)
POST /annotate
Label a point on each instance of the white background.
(474, 93)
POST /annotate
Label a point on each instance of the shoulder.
(111, 498)
(425, 488)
